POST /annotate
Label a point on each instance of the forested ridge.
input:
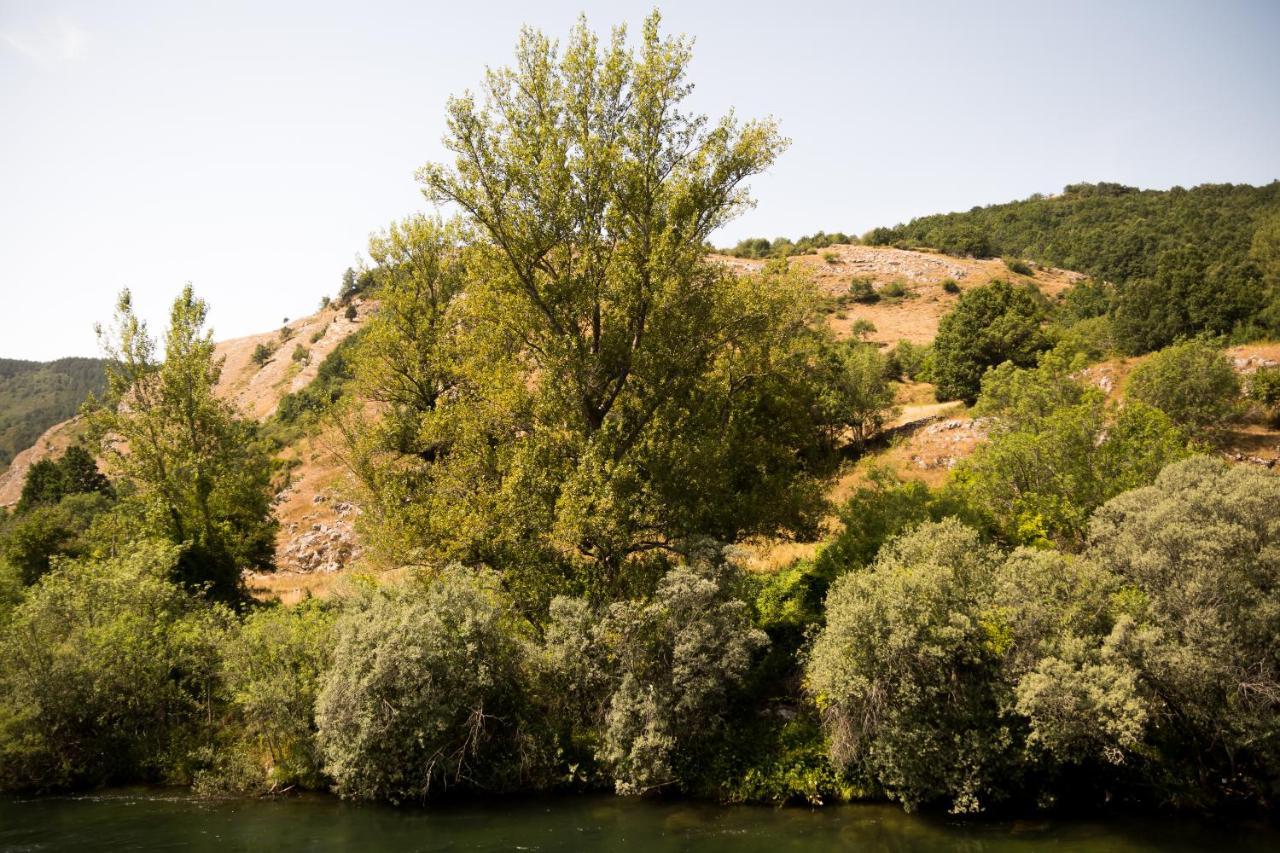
(1182, 261)
(566, 427)
(36, 395)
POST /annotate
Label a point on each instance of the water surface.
(151, 820)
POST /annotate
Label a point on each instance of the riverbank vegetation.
(566, 423)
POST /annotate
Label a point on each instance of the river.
(158, 820)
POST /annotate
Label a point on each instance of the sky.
(251, 148)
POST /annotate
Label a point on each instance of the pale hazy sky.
(251, 147)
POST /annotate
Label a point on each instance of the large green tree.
(609, 393)
(196, 474)
(989, 326)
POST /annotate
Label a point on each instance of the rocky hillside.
(913, 316)
(316, 532)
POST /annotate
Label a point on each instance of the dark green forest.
(36, 395)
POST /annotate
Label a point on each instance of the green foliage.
(909, 361)
(659, 673)
(262, 353)
(350, 314)
(1018, 266)
(36, 395)
(31, 541)
(1183, 261)
(1264, 386)
(195, 473)
(874, 514)
(950, 285)
(990, 325)
(1203, 546)
(1057, 452)
(862, 289)
(300, 354)
(782, 247)
(853, 391)
(1192, 382)
(895, 289)
(273, 666)
(48, 481)
(426, 692)
(603, 392)
(109, 675)
(904, 673)
(332, 381)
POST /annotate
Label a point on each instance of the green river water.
(151, 820)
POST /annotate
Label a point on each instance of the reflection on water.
(147, 820)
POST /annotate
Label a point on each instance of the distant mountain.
(36, 395)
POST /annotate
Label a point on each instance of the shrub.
(907, 360)
(262, 354)
(109, 675)
(426, 692)
(300, 354)
(678, 656)
(1201, 544)
(906, 677)
(950, 285)
(1093, 338)
(350, 313)
(862, 290)
(1191, 382)
(1018, 266)
(989, 325)
(274, 665)
(853, 393)
(32, 541)
(1057, 452)
(1264, 386)
(654, 677)
(895, 289)
(319, 334)
(831, 257)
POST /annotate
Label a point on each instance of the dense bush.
(1202, 544)
(32, 540)
(906, 677)
(1143, 670)
(1192, 382)
(863, 290)
(989, 326)
(48, 481)
(1057, 452)
(645, 684)
(273, 666)
(109, 675)
(909, 361)
(427, 692)
(853, 394)
(1018, 266)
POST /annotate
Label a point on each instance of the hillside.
(315, 528)
(36, 395)
(913, 316)
(1182, 261)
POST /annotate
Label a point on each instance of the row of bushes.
(943, 671)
